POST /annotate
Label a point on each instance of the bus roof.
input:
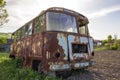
(60, 9)
(80, 17)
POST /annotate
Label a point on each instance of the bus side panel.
(37, 45)
(18, 48)
(27, 51)
(12, 50)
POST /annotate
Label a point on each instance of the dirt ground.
(107, 67)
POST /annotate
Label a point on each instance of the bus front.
(67, 44)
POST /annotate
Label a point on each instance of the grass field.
(10, 70)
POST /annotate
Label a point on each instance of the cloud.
(22, 11)
(103, 12)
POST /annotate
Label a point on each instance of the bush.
(9, 70)
(113, 47)
(3, 39)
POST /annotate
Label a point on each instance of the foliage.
(3, 13)
(9, 70)
(3, 40)
(115, 45)
(109, 44)
(104, 42)
(4, 37)
(8, 35)
(109, 38)
(118, 47)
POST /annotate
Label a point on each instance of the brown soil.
(107, 67)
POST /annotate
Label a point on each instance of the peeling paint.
(62, 41)
(70, 40)
(91, 44)
(84, 40)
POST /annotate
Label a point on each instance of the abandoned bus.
(56, 40)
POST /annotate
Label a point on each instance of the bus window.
(60, 22)
(28, 29)
(82, 30)
(15, 36)
(39, 22)
(22, 32)
(18, 34)
(12, 37)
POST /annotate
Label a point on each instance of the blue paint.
(70, 40)
(63, 42)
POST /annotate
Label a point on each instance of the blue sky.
(104, 15)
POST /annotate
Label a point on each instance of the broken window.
(39, 24)
(60, 22)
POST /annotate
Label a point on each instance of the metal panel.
(70, 41)
(91, 44)
(62, 41)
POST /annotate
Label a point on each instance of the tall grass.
(10, 71)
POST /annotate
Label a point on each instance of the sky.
(103, 15)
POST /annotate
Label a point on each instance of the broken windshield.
(60, 22)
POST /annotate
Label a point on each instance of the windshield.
(60, 22)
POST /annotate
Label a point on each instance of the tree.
(109, 38)
(115, 44)
(3, 40)
(104, 42)
(3, 13)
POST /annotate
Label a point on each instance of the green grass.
(119, 47)
(104, 48)
(100, 48)
(10, 71)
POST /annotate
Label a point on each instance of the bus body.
(56, 40)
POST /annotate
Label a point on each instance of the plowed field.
(107, 67)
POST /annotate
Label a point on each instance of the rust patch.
(37, 45)
(52, 47)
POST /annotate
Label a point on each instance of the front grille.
(79, 48)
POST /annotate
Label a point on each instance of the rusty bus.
(56, 40)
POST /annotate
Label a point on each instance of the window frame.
(40, 18)
(75, 32)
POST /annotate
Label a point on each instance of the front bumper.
(60, 67)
